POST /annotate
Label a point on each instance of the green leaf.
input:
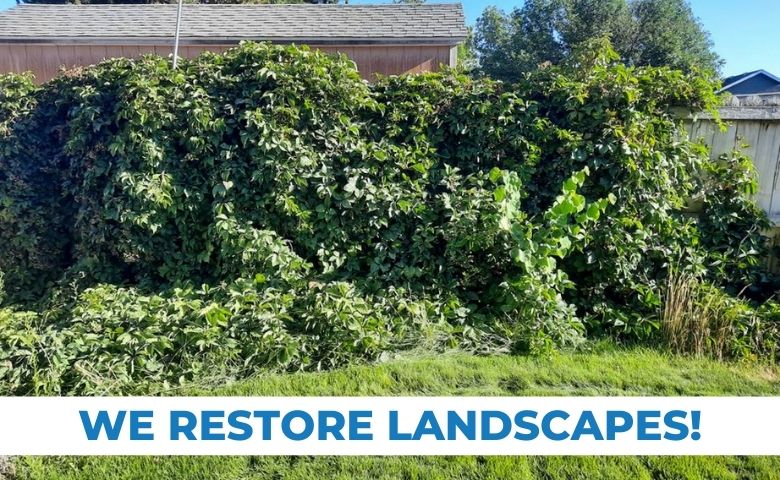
(351, 185)
(499, 194)
(594, 212)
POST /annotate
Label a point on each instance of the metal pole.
(176, 38)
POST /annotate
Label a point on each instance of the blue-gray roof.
(305, 23)
(736, 78)
(757, 82)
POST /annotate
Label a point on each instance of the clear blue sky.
(746, 32)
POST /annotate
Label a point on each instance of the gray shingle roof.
(427, 23)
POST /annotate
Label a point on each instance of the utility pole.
(176, 37)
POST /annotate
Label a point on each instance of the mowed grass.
(603, 372)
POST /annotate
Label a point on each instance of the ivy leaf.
(351, 185)
(499, 194)
(495, 174)
(594, 212)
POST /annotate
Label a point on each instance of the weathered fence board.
(754, 127)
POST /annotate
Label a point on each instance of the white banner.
(389, 426)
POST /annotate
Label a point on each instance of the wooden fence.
(753, 122)
(754, 126)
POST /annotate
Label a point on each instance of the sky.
(745, 33)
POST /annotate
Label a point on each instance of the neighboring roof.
(731, 82)
(736, 78)
(775, 90)
(209, 23)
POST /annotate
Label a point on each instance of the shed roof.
(208, 23)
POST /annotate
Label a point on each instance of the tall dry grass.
(695, 318)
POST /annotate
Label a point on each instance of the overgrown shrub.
(621, 123)
(266, 208)
(116, 339)
(732, 227)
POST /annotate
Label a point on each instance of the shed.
(380, 39)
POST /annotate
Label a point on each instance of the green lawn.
(607, 372)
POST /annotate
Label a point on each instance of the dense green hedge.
(266, 207)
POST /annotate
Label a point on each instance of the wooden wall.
(45, 60)
(757, 129)
(761, 139)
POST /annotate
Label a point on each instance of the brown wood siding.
(46, 60)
